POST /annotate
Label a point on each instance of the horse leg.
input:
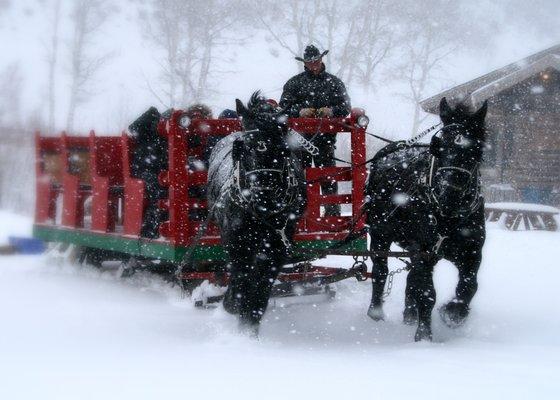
(378, 278)
(249, 316)
(456, 311)
(410, 313)
(258, 297)
(263, 274)
(420, 286)
(235, 297)
(238, 297)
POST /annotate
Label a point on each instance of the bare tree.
(369, 40)
(292, 24)
(16, 151)
(11, 84)
(433, 31)
(88, 17)
(189, 33)
(357, 33)
(52, 60)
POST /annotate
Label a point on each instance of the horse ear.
(435, 146)
(445, 112)
(480, 115)
(240, 108)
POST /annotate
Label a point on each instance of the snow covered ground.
(70, 332)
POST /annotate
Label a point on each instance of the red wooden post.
(313, 221)
(177, 228)
(99, 187)
(359, 173)
(70, 186)
(106, 174)
(133, 193)
(44, 201)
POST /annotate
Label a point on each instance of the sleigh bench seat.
(516, 216)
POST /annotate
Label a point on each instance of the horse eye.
(462, 141)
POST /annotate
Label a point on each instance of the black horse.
(429, 202)
(256, 191)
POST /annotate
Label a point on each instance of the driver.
(316, 93)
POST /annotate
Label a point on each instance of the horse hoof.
(454, 314)
(250, 330)
(423, 333)
(410, 316)
(376, 313)
(231, 305)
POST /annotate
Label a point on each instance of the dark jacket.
(307, 90)
(150, 153)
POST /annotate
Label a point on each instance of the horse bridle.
(473, 176)
(287, 171)
(238, 197)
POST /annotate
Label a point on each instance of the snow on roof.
(477, 90)
(509, 80)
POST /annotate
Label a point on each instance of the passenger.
(213, 139)
(150, 157)
(316, 93)
(199, 111)
(196, 159)
(228, 114)
(273, 103)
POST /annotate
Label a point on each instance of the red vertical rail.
(133, 192)
(359, 172)
(72, 206)
(177, 228)
(44, 209)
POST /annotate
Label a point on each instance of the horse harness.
(426, 186)
(473, 175)
(238, 197)
(238, 194)
(427, 180)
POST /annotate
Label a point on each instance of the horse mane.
(463, 109)
(255, 101)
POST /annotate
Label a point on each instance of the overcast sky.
(121, 87)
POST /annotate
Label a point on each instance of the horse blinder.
(237, 150)
(435, 146)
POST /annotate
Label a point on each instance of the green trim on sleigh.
(157, 248)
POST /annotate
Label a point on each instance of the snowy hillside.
(77, 333)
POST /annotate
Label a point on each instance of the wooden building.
(522, 161)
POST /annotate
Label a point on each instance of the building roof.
(474, 92)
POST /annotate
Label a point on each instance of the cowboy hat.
(311, 53)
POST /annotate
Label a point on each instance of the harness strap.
(306, 144)
(416, 138)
